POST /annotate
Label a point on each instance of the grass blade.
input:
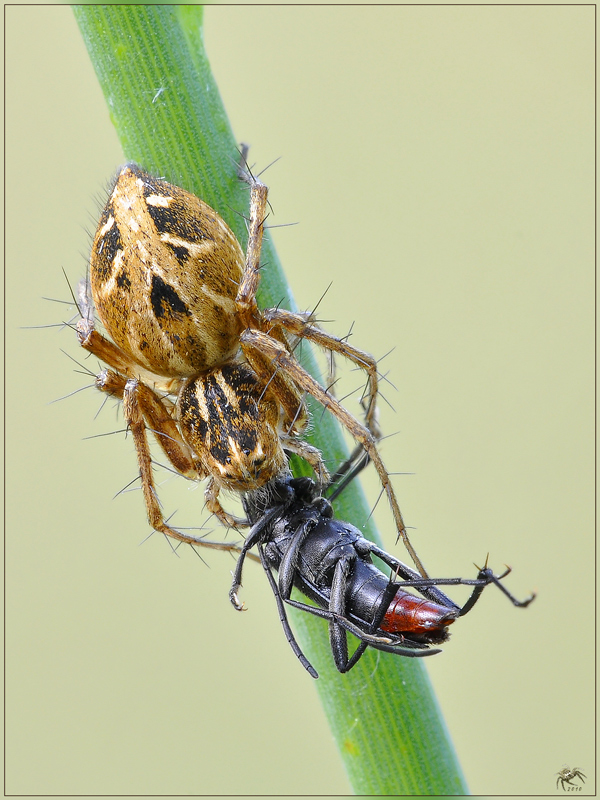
(167, 111)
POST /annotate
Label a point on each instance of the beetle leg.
(388, 643)
(289, 561)
(338, 637)
(429, 587)
(253, 538)
(283, 617)
(486, 576)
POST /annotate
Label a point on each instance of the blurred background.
(439, 164)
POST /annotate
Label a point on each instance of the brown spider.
(193, 357)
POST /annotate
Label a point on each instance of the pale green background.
(439, 161)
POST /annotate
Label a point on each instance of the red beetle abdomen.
(411, 615)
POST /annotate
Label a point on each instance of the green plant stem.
(167, 111)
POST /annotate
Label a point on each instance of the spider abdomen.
(165, 270)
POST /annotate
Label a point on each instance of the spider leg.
(294, 413)
(158, 414)
(276, 382)
(104, 349)
(253, 340)
(297, 325)
(107, 351)
(312, 455)
(133, 398)
(213, 504)
(143, 408)
(246, 296)
(295, 416)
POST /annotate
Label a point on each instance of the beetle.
(330, 561)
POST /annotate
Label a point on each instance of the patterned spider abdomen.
(165, 271)
(231, 423)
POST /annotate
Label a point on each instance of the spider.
(191, 355)
(567, 774)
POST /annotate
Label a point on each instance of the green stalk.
(166, 108)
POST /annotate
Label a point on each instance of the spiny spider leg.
(255, 341)
(297, 325)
